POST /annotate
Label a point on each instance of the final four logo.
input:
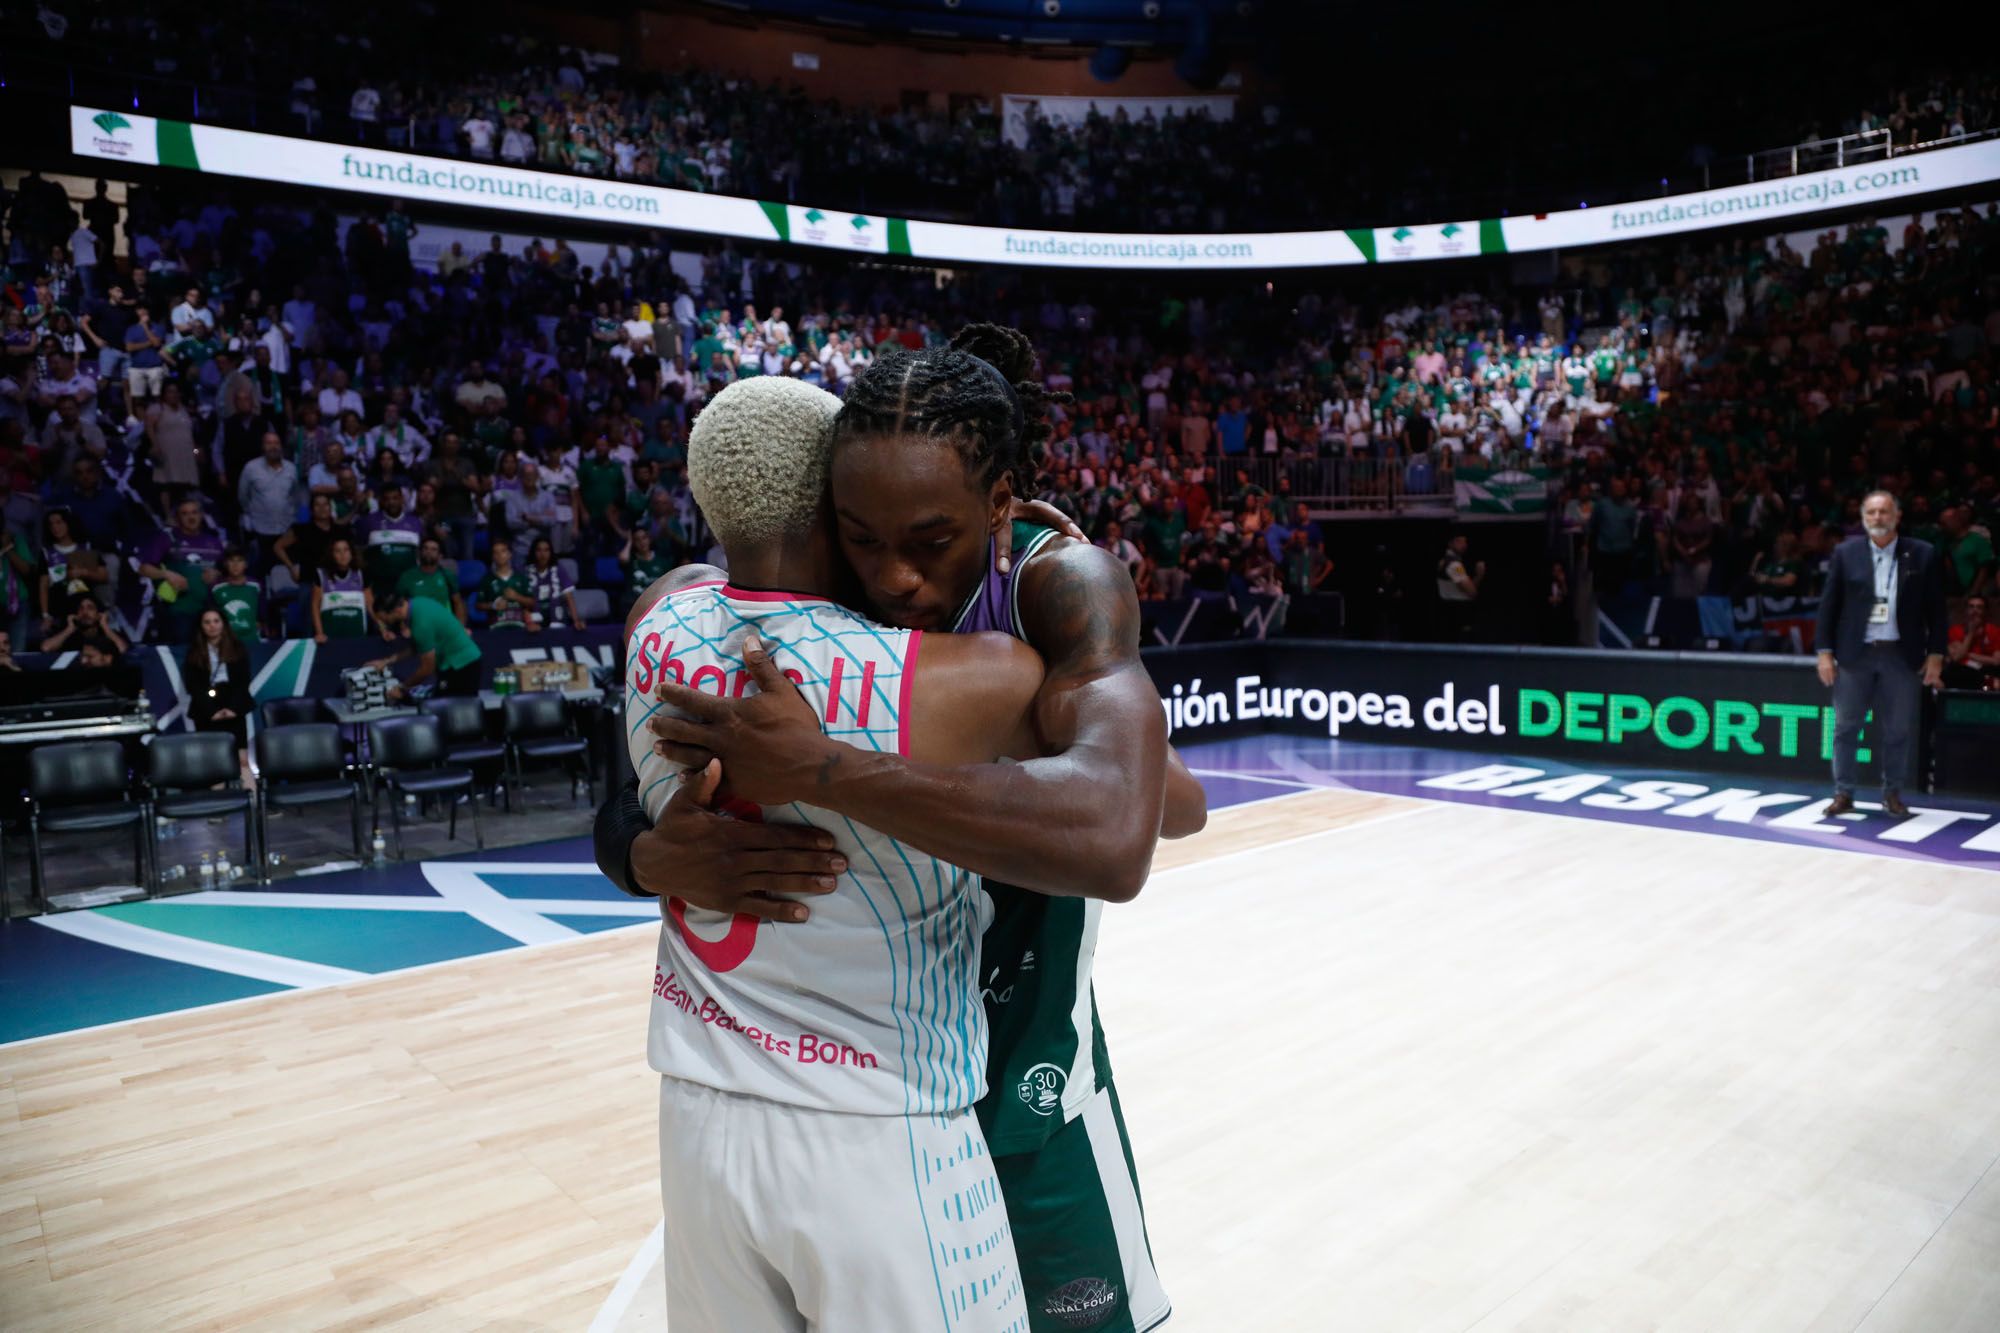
(1084, 1303)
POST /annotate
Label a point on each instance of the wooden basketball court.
(1388, 1064)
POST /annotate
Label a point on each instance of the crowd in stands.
(378, 77)
(265, 412)
(1937, 109)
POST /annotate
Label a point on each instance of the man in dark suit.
(1881, 639)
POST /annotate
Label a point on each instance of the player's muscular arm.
(1078, 605)
(1082, 821)
(1186, 809)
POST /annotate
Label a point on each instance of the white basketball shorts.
(782, 1219)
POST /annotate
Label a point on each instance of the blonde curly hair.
(757, 458)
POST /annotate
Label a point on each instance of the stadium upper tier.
(1278, 163)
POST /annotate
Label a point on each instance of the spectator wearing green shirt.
(1968, 554)
(503, 596)
(643, 563)
(662, 522)
(664, 444)
(440, 644)
(190, 354)
(706, 348)
(601, 484)
(639, 498)
(1604, 365)
(238, 596)
(428, 581)
(1576, 375)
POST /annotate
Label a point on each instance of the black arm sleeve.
(620, 820)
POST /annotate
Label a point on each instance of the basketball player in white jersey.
(819, 1159)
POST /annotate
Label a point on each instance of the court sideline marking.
(259, 966)
(635, 1274)
(353, 980)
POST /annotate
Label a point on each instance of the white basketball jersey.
(872, 1005)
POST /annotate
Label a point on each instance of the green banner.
(1509, 491)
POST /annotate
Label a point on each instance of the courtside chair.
(538, 729)
(83, 787)
(409, 758)
(194, 775)
(290, 711)
(300, 766)
(462, 722)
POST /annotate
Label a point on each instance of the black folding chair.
(194, 775)
(537, 728)
(82, 787)
(300, 766)
(409, 757)
(462, 723)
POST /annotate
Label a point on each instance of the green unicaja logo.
(110, 122)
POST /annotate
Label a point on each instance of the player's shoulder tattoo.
(1079, 608)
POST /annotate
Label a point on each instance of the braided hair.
(980, 393)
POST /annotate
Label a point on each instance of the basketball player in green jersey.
(927, 451)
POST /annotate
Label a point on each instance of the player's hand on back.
(1030, 511)
(740, 866)
(769, 742)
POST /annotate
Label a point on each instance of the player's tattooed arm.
(1080, 609)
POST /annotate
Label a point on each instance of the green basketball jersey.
(238, 604)
(1047, 1055)
(1046, 1058)
(505, 613)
